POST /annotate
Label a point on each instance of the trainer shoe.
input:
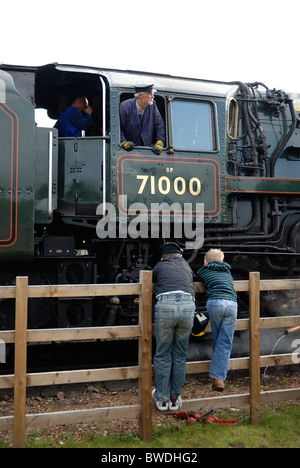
(175, 403)
(160, 405)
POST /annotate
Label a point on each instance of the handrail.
(104, 142)
(50, 175)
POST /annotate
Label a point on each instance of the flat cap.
(144, 88)
(170, 247)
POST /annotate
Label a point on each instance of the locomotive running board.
(262, 185)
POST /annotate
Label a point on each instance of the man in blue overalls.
(141, 122)
(75, 119)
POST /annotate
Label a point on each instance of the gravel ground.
(118, 393)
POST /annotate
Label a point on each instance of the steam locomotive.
(231, 162)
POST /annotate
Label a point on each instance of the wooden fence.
(20, 380)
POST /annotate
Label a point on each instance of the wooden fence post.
(19, 425)
(254, 292)
(145, 356)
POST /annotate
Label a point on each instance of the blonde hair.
(214, 255)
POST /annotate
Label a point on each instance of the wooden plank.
(80, 376)
(93, 333)
(199, 367)
(241, 285)
(7, 381)
(254, 280)
(229, 401)
(145, 356)
(276, 360)
(20, 362)
(82, 416)
(74, 417)
(242, 324)
(75, 376)
(280, 395)
(7, 336)
(279, 285)
(280, 322)
(7, 292)
(211, 403)
(6, 423)
(76, 290)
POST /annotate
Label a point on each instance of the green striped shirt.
(218, 281)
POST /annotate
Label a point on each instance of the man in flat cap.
(174, 318)
(141, 122)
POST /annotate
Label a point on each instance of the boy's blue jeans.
(174, 319)
(223, 316)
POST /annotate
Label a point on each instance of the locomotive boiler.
(230, 162)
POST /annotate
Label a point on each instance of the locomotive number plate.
(154, 179)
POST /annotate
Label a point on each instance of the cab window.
(193, 127)
(232, 121)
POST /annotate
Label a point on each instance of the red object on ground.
(221, 422)
(192, 417)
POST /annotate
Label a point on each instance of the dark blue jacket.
(173, 274)
(71, 122)
(144, 132)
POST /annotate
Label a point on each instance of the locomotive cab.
(81, 160)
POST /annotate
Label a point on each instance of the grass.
(279, 428)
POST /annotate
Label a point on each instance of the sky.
(228, 40)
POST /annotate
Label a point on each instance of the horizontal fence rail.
(20, 380)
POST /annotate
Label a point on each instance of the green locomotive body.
(231, 160)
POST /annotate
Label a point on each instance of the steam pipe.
(246, 109)
(286, 139)
(263, 140)
(293, 237)
(258, 237)
(246, 112)
(288, 331)
(239, 229)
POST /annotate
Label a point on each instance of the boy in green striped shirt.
(222, 310)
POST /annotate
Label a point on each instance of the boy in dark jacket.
(222, 310)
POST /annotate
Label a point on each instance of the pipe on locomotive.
(288, 331)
